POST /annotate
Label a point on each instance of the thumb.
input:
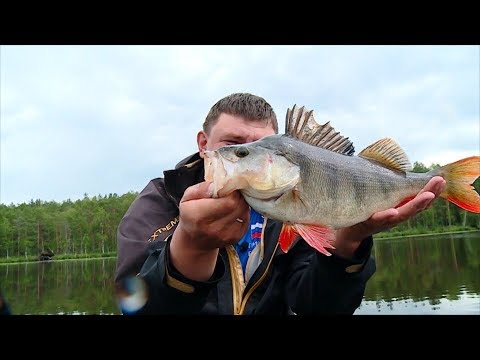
(203, 190)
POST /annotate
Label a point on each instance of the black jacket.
(302, 281)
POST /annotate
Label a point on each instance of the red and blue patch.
(251, 238)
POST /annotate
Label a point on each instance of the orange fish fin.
(460, 176)
(287, 236)
(404, 201)
(317, 236)
(389, 153)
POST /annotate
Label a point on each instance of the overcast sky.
(107, 119)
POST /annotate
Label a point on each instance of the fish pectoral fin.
(296, 197)
(287, 237)
(317, 236)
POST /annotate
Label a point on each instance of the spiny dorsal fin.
(301, 124)
(389, 153)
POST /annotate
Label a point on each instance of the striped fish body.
(334, 189)
(310, 180)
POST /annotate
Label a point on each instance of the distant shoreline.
(4, 261)
(425, 234)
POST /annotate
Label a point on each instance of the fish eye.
(242, 151)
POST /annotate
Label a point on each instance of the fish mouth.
(214, 170)
(210, 161)
(217, 172)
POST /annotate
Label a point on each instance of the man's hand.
(348, 239)
(205, 225)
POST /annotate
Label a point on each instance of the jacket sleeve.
(143, 259)
(319, 284)
(151, 217)
(169, 292)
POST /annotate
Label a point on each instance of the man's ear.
(202, 142)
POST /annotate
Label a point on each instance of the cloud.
(107, 119)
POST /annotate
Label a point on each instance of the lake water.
(423, 275)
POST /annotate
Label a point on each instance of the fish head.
(258, 171)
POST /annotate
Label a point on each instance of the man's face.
(230, 130)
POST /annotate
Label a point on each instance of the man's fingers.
(386, 219)
(383, 216)
(203, 190)
(436, 185)
(424, 198)
(419, 203)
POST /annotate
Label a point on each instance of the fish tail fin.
(317, 236)
(460, 176)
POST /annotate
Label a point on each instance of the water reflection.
(424, 275)
(60, 287)
(464, 305)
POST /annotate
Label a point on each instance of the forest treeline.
(89, 225)
(86, 226)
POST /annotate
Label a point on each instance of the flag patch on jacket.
(251, 238)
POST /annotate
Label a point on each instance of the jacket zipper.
(257, 284)
(236, 273)
(238, 284)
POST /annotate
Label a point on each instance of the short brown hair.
(248, 106)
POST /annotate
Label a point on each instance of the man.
(188, 253)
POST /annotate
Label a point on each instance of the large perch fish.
(309, 179)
